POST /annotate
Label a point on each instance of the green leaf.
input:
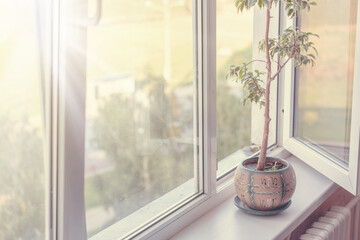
(312, 56)
(315, 50)
(290, 12)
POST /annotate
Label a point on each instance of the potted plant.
(266, 183)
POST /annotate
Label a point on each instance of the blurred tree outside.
(233, 118)
(22, 194)
(140, 140)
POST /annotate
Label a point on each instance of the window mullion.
(44, 40)
(55, 28)
(71, 122)
(45, 16)
(208, 82)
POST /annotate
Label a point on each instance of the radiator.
(339, 223)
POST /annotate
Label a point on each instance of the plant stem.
(262, 157)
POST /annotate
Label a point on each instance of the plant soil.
(269, 166)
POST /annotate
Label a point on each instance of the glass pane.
(22, 176)
(236, 131)
(324, 92)
(140, 120)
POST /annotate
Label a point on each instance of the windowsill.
(225, 221)
(217, 217)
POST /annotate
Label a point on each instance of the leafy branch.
(292, 43)
(247, 4)
(254, 92)
(295, 6)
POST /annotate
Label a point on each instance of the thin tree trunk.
(262, 158)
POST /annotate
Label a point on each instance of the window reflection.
(324, 93)
(233, 46)
(140, 120)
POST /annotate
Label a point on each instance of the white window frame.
(348, 178)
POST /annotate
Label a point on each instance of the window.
(117, 111)
(138, 115)
(141, 112)
(322, 115)
(325, 120)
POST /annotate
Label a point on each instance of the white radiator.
(336, 224)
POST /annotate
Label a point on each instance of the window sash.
(71, 123)
(70, 82)
(346, 178)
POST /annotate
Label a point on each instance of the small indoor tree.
(292, 43)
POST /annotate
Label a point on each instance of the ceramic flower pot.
(265, 190)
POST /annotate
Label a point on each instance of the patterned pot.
(265, 190)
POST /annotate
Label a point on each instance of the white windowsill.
(225, 221)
